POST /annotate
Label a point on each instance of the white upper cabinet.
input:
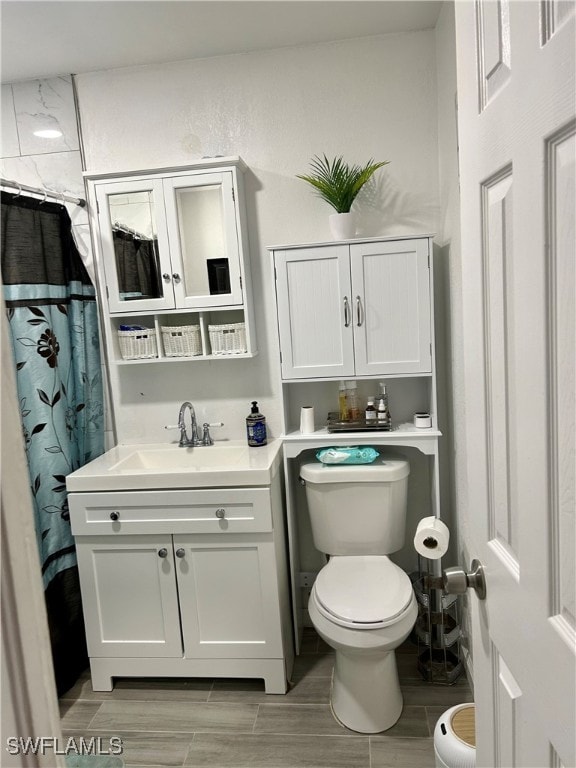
(171, 240)
(354, 309)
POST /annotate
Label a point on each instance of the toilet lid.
(364, 592)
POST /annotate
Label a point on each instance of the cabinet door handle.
(176, 277)
(358, 311)
(221, 514)
(163, 552)
(346, 312)
(181, 552)
(114, 516)
(166, 276)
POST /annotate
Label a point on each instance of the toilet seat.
(362, 592)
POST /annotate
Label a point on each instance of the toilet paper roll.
(307, 420)
(432, 538)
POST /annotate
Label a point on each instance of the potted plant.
(338, 184)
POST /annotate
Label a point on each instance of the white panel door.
(315, 312)
(228, 596)
(391, 307)
(129, 596)
(516, 98)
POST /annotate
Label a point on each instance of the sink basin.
(201, 458)
(228, 463)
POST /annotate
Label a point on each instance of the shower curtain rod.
(46, 192)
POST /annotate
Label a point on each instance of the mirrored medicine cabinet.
(172, 253)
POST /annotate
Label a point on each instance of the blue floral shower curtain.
(52, 313)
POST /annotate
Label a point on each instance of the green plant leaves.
(336, 182)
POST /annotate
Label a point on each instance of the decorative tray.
(334, 424)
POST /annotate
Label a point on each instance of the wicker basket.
(137, 345)
(228, 339)
(181, 341)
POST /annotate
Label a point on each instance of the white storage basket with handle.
(138, 344)
(228, 339)
(181, 341)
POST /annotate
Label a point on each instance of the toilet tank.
(357, 509)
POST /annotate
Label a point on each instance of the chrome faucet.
(185, 441)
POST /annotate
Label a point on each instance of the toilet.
(361, 604)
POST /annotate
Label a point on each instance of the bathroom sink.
(228, 463)
(176, 459)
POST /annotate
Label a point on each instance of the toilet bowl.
(364, 607)
(361, 604)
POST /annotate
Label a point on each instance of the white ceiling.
(45, 38)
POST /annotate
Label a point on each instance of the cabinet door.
(129, 596)
(134, 242)
(201, 215)
(228, 596)
(391, 307)
(315, 312)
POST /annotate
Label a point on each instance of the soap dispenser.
(256, 427)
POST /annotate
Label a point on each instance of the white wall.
(365, 98)
(449, 279)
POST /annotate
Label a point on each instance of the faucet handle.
(171, 426)
(206, 436)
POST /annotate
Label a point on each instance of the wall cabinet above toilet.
(354, 309)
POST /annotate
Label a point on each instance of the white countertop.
(228, 463)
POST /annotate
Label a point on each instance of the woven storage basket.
(181, 341)
(228, 339)
(136, 345)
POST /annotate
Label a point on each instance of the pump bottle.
(256, 427)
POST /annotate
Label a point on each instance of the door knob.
(163, 552)
(180, 552)
(456, 581)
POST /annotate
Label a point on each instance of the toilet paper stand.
(437, 631)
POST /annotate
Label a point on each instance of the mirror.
(202, 240)
(135, 245)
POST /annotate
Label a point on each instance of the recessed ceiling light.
(48, 133)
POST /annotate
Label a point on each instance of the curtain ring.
(19, 190)
(45, 197)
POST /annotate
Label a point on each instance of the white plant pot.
(342, 225)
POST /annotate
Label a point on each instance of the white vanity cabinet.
(173, 252)
(184, 583)
(352, 309)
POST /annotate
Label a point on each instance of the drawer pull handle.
(114, 515)
(221, 513)
(163, 552)
(180, 552)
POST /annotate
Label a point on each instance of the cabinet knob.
(114, 515)
(176, 277)
(166, 277)
(221, 513)
(180, 552)
(163, 552)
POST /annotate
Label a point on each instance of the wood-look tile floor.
(221, 723)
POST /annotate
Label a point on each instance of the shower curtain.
(52, 313)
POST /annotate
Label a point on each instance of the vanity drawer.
(242, 510)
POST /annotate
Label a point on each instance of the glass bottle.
(343, 402)
(353, 403)
(370, 413)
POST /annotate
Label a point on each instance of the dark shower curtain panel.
(53, 320)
